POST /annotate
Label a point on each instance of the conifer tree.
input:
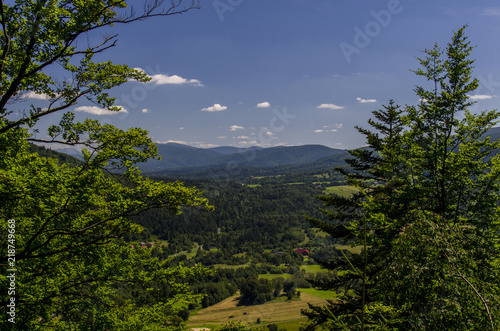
(426, 212)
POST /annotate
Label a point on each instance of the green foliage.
(256, 291)
(426, 213)
(74, 270)
(255, 221)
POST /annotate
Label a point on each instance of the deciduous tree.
(73, 269)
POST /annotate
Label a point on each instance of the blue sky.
(287, 72)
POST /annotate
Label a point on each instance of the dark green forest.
(402, 234)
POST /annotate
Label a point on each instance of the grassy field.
(284, 313)
(273, 276)
(227, 266)
(321, 294)
(354, 250)
(312, 269)
(344, 190)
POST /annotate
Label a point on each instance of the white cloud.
(243, 137)
(172, 141)
(361, 100)
(33, 95)
(480, 97)
(336, 126)
(161, 79)
(204, 145)
(491, 12)
(248, 143)
(236, 127)
(318, 131)
(215, 107)
(221, 137)
(146, 111)
(263, 105)
(100, 111)
(329, 106)
(181, 128)
(182, 142)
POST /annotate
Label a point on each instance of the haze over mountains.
(177, 157)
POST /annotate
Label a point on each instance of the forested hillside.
(249, 216)
(403, 234)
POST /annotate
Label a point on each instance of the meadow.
(282, 312)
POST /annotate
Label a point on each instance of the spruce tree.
(426, 212)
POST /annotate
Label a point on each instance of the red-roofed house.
(303, 252)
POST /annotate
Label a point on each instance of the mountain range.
(177, 158)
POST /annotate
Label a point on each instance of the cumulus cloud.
(236, 127)
(33, 95)
(480, 97)
(161, 79)
(145, 110)
(318, 131)
(243, 137)
(329, 106)
(336, 126)
(99, 111)
(361, 100)
(263, 105)
(214, 108)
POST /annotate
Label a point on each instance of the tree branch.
(24, 120)
(27, 59)
(6, 47)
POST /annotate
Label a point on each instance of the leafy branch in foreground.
(74, 270)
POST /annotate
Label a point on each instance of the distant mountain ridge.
(177, 156)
